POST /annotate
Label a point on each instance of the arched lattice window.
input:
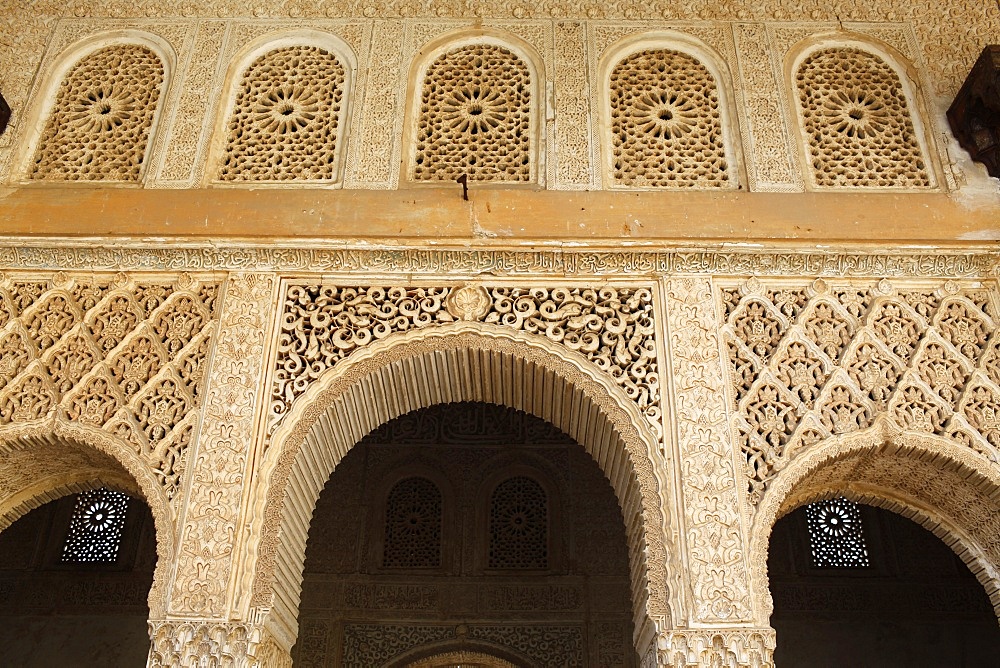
(857, 123)
(519, 525)
(475, 117)
(666, 125)
(286, 118)
(96, 527)
(836, 536)
(100, 124)
(413, 525)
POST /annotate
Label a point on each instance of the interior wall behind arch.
(574, 612)
(59, 614)
(915, 604)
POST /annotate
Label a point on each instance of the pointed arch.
(452, 363)
(47, 459)
(938, 483)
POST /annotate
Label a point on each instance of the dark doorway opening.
(466, 529)
(75, 575)
(855, 585)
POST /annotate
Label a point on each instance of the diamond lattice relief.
(475, 117)
(666, 129)
(807, 367)
(857, 122)
(284, 125)
(129, 358)
(100, 123)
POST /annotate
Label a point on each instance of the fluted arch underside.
(936, 482)
(466, 362)
(45, 460)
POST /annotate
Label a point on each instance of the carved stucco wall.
(678, 329)
(752, 46)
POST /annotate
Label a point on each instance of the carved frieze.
(184, 643)
(732, 648)
(402, 261)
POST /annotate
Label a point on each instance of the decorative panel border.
(331, 258)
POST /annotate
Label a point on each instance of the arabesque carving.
(813, 361)
(709, 477)
(613, 327)
(111, 352)
(206, 553)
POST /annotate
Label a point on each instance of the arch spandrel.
(450, 363)
(937, 482)
(47, 459)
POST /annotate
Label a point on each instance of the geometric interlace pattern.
(666, 129)
(113, 353)
(836, 535)
(284, 121)
(857, 123)
(96, 527)
(100, 124)
(475, 117)
(813, 361)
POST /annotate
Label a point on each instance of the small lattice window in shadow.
(413, 525)
(96, 527)
(519, 525)
(836, 535)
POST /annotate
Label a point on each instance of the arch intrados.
(836, 467)
(86, 458)
(72, 55)
(446, 364)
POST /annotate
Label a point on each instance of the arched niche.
(43, 461)
(698, 55)
(429, 55)
(454, 363)
(51, 76)
(232, 87)
(938, 483)
(906, 76)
